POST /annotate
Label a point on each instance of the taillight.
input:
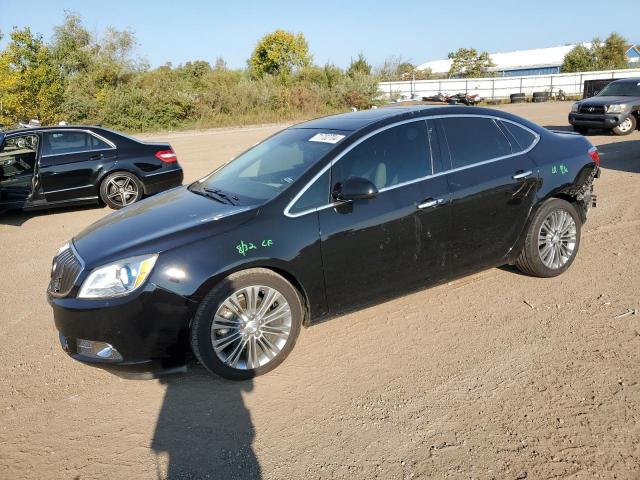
(167, 156)
(595, 156)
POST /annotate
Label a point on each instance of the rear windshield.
(268, 168)
(622, 89)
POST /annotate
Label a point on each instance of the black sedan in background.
(322, 217)
(64, 165)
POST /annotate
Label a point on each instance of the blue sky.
(336, 30)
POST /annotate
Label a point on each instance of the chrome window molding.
(173, 170)
(403, 184)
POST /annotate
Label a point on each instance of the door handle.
(520, 175)
(430, 202)
(96, 157)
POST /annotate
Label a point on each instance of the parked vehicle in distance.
(63, 165)
(616, 108)
(322, 217)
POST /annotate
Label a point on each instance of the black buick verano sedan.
(324, 216)
(60, 166)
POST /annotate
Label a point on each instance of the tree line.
(82, 78)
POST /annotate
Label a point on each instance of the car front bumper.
(148, 330)
(607, 120)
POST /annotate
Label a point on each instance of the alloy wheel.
(251, 327)
(557, 239)
(626, 125)
(122, 190)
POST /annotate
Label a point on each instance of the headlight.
(118, 278)
(617, 108)
(575, 107)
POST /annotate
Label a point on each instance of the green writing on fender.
(555, 169)
(243, 247)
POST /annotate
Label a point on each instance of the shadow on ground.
(622, 156)
(17, 218)
(205, 429)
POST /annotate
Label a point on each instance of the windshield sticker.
(326, 137)
(244, 247)
(555, 169)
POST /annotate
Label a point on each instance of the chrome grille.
(64, 272)
(596, 109)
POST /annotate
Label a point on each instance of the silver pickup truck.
(616, 107)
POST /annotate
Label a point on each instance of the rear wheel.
(247, 324)
(626, 127)
(552, 240)
(120, 189)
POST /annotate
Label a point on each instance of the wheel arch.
(280, 268)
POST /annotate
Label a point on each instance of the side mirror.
(355, 188)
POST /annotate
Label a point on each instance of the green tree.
(71, 46)
(359, 66)
(607, 55)
(278, 53)
(578, 59)
(468, 63)
(31, 85)
(611, 55)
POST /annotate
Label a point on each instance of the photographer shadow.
(205, 429)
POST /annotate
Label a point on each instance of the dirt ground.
(496, 375)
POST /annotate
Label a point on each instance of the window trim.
(403, 184)
(112, 146)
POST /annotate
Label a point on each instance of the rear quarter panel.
(563, 163)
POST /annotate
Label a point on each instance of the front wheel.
(626, 127)
(247, 324)
(552, 240)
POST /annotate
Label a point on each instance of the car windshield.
(269, 167)
(622, 89)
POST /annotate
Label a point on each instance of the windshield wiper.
(230, 199)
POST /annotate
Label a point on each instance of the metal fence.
(501, 87)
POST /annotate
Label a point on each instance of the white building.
(539, 61)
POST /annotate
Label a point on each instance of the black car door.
(396, 240)
(493, 187)
(70, 163)
(18, 156)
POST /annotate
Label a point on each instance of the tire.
(540, 97)
(580, 130)
(518, 98)
(120, 189)
(531, 257)
(626, 127)
(236, 335)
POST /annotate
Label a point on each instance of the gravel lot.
(496, 375)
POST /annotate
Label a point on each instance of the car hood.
(158, 223)
(607, 100)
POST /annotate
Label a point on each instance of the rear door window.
(473, 140)
(523, 138)
(62, 143)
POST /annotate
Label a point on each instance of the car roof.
(53, 127)
(627, 80)
(353, 121)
